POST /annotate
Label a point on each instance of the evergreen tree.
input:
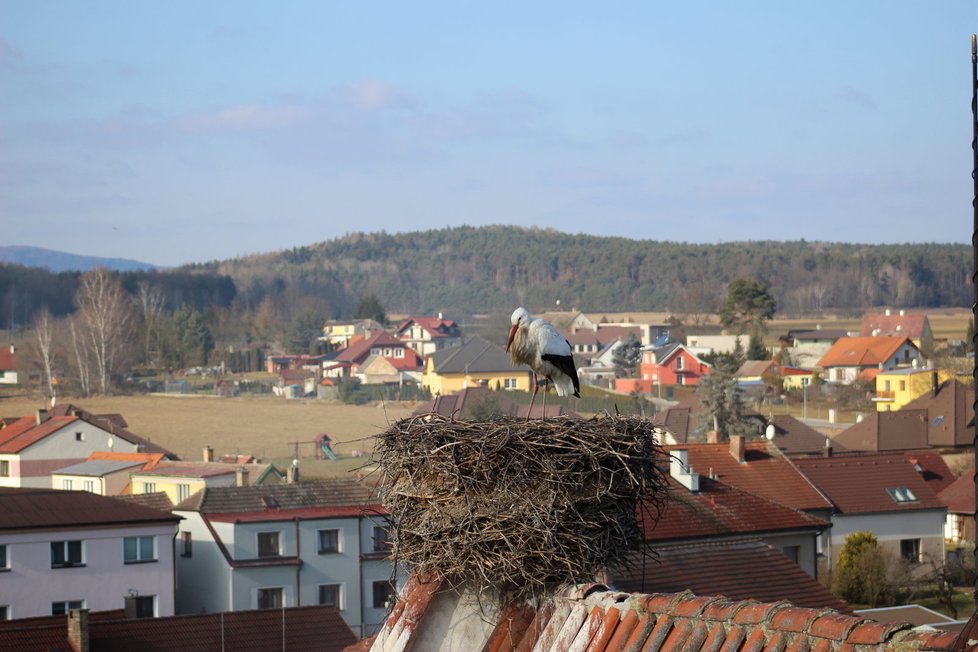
(749, 305)
(627, 355)
(189, 342)
(370, 307)
(722, 399)
(756, 349)
(304, 331)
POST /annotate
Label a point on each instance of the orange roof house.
(901, 324)
(851, 356)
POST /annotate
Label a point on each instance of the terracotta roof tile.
(857, 483)
(861, 351)
(959, 496)
(906, 325)
(764, 473)
(296, 628)
(610, 620)
(716, 568)
(22, 509)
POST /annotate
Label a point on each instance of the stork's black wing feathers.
(566, 364)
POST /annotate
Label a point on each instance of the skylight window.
(938, 420)
(901, 494)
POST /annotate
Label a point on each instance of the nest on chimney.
(519, 506)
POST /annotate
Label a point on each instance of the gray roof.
(475, 355)
(98, 468)
(333, 492)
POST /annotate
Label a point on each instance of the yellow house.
(896, 388)
(180, 480)
(339, 333)
(475, 362)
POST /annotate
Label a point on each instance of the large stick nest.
(515, 505)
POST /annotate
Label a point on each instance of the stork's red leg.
(536, 387)
(546, 390)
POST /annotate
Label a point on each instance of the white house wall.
(203, 577)
(103, 582)
(926, 525)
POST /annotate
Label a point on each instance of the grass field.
(946, 323)
(263, 426)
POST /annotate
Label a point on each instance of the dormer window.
(901, 494)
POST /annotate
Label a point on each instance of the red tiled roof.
(959, 496)
(358, 351)
(149, 459)
(26, 431)
(794, 437)
(721, 510)
(294, 628)
(717, 568)
(763, 473)
(436, 327)
(909, 325)
(861, 351)
(22, 509)
(857, 483)
(596, 619)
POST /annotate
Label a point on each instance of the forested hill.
(471, 270)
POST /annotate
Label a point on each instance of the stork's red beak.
(512, 334)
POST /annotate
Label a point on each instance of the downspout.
(298, 566)
(362, 591)
(173, 547)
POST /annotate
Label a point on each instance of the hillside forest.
(279, 301)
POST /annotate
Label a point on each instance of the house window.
(681, 380)
(509, 383)
(79, 436)
(388, 353)
(67, 484)
(268, 544)
(329, 541)
(4, 612)
(89, 485)
(4, 468)
(398, 353)
(144, 606)
(66, 553)
(886, 385)
(382, 592)
(791, 552)
(381, 539)
(61, 608)
(183, 491)
(138, 549)
(149, 487)
(4, 564)
(901, 494)
(910, 550)
(329, 595)
(806, 380)
(679, 362)
(270, 598)
(903, 385)
(188, 542)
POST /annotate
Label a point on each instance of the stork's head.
(519, 319)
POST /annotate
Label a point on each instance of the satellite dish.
(769, 432)
(110, 443)
(915, 363)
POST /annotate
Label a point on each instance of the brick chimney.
(712, 437)
(208, 454)
(42, 416)
(78, 629)
(827, 450)
(738, 447)
(241, 477)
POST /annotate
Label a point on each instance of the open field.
(946, 323)
(262, 426)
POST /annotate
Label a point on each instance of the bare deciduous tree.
(44, 336)
(105, 314)
(151, 302)
(81, 359)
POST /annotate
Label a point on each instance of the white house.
(287, 545)
(880, 493)
(62, 550)
(33, 447)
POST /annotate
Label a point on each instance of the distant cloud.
(243, 117)
(850, 95)
(374, 94)
(585, 177)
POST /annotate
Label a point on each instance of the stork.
(536, 343)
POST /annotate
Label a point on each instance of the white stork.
(536, 343)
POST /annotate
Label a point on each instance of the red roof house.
(425, 335)
(959, 498)
(851, 356)
(672, 364)
(902, 324)
(8, 366)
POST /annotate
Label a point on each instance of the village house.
(862, 358)
(959, 498)
(290, 545)
(32, 447)
(896, 388)
(8, 365)
(180, 480)
(476, 362)
(364, 353)
(943, 418)
(64, 550)
(880, 493)
(106, 474)
(426, 335)
(672, 364)
(340, 334)
(899, 324)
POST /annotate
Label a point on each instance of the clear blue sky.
(175, 132)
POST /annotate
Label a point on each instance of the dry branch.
(515, 505)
